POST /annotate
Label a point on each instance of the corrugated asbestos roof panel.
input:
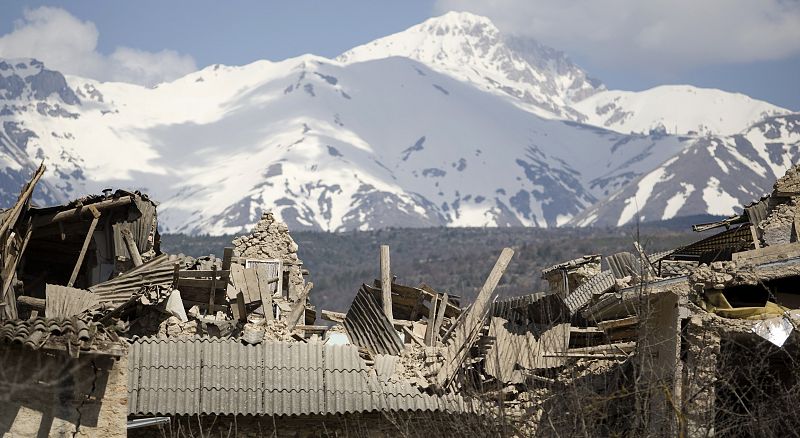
(223, 376)
(385, 365)
(158, 271)
(600, 283)
(369, 328)
(64, 302)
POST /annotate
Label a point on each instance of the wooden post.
(227, 257)
(430, 336)
(213, 288)
(754, 234)
(264, 287)
(299, 307)
(437, 326)
(86, 241)
(239, 309)
(386, 282)
(176, 269)
(127, 236)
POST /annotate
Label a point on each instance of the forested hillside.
(453, 259)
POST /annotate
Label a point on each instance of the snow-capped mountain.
(448, 123)
(676, 109)
(470, 48)
(714, 175)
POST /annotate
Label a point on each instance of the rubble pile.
(620, 344)
(270, 239)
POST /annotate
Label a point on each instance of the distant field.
(456, 260)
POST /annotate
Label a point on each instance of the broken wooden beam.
(264, 289)
(299, 307)
(127, 236)
(616, 323)
(413, 337)
(437, 323)
(80, 211)
(430, 335)
(457, 349)
(386, 282)
(13, 215)
(330, 315)
(31, 302)
(86, 241)
(238, 308)
(227, 257)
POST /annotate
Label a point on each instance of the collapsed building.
(103, 333)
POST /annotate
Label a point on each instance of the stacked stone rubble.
(777, 228)
(270, 239)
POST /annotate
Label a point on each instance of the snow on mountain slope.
(347, 150)
(332, 146)
(677, 109)
(470, 48)
(404, 132)
(715, 175)
(26, 87)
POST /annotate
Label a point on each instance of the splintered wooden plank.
(386, 282)
(430, 335)
(264, 289)
(251, 285)
(616, 323)
(236, 280)
(86, 241)
(437, 326)
(238, 307)
(227, 256)
(127, 237)
(299, 307)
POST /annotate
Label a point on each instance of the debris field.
(103, 333)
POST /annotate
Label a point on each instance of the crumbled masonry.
(630, 344)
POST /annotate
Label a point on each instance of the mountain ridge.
(376, 140)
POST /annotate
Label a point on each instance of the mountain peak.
(471, 48)
(454, 20)
(25, 78)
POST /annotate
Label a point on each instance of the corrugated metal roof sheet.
(223, 376)
(64, 302)
(158, 271)
(737, 238)
(369, 328)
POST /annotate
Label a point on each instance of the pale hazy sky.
(746, 46)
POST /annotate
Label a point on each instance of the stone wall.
(777, 228)
(270, 239)
(50, 394)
